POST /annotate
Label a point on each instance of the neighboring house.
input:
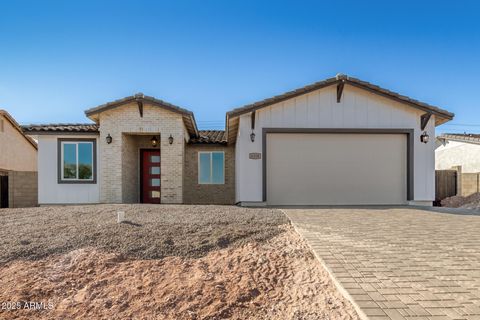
(18, 165)
(338, 141)
(462, 153)
(454, 149)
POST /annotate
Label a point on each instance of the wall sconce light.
(252, 137)
(424, 137)
(170, 139)
(154, 141)
(109, 138)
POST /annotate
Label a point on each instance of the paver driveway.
(399, 263)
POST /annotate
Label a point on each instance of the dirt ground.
(263, 275)
(469, 202)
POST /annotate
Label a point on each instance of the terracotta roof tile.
(210, 136)
(60, 127)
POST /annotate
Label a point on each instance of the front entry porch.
(141, 168)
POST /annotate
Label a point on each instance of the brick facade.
(117, 160)
(194, 193)
(131, 163)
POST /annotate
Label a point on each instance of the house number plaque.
(255, 155)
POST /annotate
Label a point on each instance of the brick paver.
(399, 263)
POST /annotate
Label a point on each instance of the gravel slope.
(274, 279)
(152, 231)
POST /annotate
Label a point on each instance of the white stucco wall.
(319, 109)
(456, 153)
(49, 190)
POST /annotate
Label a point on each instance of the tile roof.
(60, 128)
(348, 80)
(205, 136)
(209, 137)
(140, 98)
(463, 137)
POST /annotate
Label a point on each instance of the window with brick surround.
(211, 167)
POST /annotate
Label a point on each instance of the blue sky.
(58, 58)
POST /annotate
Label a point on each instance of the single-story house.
(341, 141)
(454, 149)
(18, 165)
(460, 152)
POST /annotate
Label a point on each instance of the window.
(1, 125)
(211, 167)
(77, 161)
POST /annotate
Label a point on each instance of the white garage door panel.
(336, 169)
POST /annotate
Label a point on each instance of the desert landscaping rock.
(469, 202)
(150, 232)
(250, 264)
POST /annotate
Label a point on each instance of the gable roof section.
(442, 115)
(17, 127)
(61, 128)
(188, 117)
(461, 137)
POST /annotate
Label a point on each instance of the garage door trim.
(408, 132)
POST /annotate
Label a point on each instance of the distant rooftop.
(464, 137)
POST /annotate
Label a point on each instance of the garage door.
(336, 169)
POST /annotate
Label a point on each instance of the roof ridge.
(60, 124)
(331, 81)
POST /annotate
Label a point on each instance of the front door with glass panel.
(150, 191)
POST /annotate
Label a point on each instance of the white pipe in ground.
(120, 216)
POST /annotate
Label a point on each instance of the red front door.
(150, 176)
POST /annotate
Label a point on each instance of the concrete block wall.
(126, 120)
(23, 189)
(470, 183)
(467, 182)
(195, 193)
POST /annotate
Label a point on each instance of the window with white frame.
(77, 161)
(211, 167)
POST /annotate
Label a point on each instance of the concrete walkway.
(399, 263)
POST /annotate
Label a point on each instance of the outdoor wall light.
(252, 137)
(170, 139)
(109, 138)
(154, 141)
(424, 137)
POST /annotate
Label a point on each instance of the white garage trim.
(409, 150)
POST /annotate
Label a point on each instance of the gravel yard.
(151, 231)
(166, 262)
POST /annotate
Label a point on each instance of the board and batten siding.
(49, 190)
(358, 109)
